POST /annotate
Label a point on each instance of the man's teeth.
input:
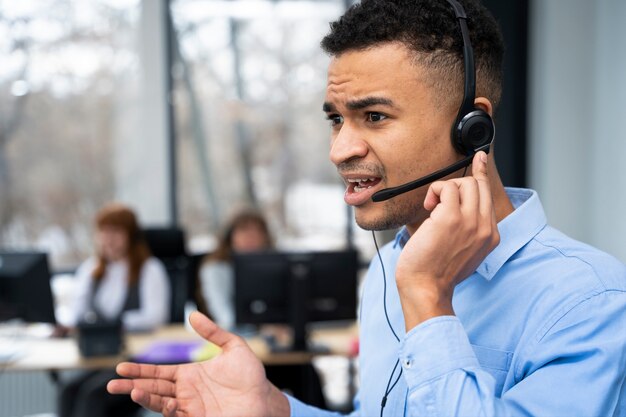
(361, 183)
(360, 179)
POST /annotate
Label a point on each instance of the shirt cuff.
(435, 348)
(297, 408)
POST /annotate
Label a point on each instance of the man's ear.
(484, 104)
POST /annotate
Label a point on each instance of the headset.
(473, 129)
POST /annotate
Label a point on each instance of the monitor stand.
(299, 290)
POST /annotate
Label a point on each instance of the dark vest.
(131, 303)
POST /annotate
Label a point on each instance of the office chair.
(168, 245)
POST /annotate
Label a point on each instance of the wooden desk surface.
(36, 354)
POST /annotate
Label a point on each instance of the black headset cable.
(390, 386)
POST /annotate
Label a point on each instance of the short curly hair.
(430, 29)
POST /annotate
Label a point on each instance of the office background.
(90, 112)
(189, 111)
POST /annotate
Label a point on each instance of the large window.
(83, 119)
(68, 83)
(250, 79)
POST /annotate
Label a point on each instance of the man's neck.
(501, 202)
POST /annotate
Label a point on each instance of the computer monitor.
(168, 245)
(25, 291)
(296, 289)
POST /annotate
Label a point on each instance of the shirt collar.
(516, 230)
(401, 238)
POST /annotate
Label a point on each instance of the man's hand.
(231, 384)
(448, 246)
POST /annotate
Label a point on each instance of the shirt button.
(407, 363)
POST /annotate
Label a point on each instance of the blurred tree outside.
(249, 80)
(258, 77)
(64, 65)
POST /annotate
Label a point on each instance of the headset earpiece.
(474, 130)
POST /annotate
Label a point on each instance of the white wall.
(577, 114)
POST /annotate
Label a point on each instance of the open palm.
(232, 384)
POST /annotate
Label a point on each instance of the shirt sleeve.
(154, 299)
(217, 290)
(300, 409)
(572, 369)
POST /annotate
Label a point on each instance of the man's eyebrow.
(328, 107)
(360, 104)
(366, 102)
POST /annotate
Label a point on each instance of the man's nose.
(348, 144)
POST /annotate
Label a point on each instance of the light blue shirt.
(540, 330)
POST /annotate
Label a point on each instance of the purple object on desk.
(168, 352)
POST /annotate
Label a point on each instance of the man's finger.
(479, 166)
(170, 409)
(120, 386)
(470, 197)
(156, 403)
(432, 195)
(447, 195)
(479, 172)
(165, 405)
(146, 371)
(152, 386)
(211, 331)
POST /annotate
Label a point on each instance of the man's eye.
(335, 119)
(375, 117)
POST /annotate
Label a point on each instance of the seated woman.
(246, 232)
(122, 281)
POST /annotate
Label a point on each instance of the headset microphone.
(391, 192)
(473, 129)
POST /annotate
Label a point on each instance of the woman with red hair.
(121, 282)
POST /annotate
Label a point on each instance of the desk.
(62, 354)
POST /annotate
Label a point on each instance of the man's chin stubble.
(393, 217)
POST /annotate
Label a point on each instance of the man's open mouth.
(358, 185)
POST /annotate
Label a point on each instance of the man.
(492, 312)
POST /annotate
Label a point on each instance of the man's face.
(388, 128)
